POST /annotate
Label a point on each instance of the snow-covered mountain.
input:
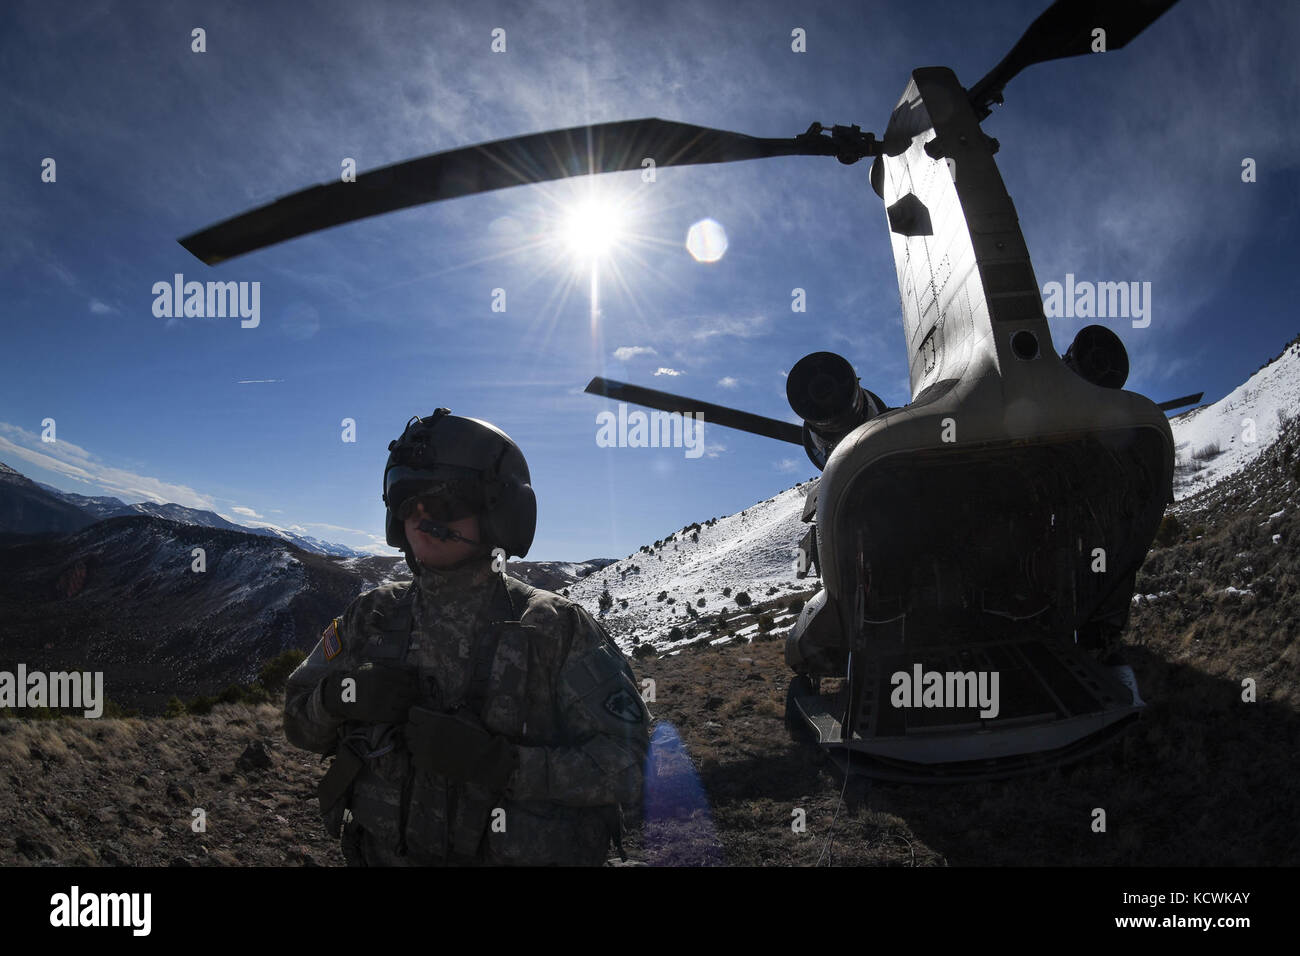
(1216, 441)
(102, 507)
(124, 596)
(25, 508)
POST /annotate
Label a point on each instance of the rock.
(712, 703)
(33, 848)
(256, 756)
(180, 792)
(142, 781)
(113, 854)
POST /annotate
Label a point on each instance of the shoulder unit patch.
(623, 706)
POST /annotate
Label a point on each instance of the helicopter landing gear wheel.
(801, 685)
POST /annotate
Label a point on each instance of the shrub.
(795, 606)
(700, 603)
(743, 599)
(606, 600)
(1211, 450)
(175, 707)
(726, 592)
(643, 650)
(113, 709)
(201, 705)
(663, 595)
(1170, 530)
(765, 622)
(275, 672)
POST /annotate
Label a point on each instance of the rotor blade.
(1065, 29)
(538, 157)
(713, 414)
(1179, 402)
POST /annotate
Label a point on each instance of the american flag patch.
(329, 640)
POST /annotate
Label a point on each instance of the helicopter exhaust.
(823, 390)
(1098, 356)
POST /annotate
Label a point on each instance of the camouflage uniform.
(558, 688)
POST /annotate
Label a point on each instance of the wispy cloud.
(786, 465)
(337, 528)
(246, 512)
(101, 308)
(626, 352)
(72, 461)
(748, 327)
(258, 381)
(727, 382)
(667, 371)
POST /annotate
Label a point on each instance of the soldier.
(473, 719)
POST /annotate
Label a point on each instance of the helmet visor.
(441, 505)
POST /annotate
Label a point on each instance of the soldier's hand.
(377, 693)
(460, 748)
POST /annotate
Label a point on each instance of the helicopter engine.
(823, 390)
(1098, 356)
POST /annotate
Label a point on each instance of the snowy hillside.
(752, 552)
(1265, 399)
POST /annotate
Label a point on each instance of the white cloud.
(667, 371)
(727, 382)
(713, 450)
(246, 512)
(100, 308)
(257, 381)
(786, 465)
(72, 461)
(625, 352)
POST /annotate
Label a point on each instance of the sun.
(592, 229)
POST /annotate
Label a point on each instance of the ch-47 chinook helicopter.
(992, 528)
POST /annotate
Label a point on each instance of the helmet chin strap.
(443, 533)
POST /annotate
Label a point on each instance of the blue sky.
(1123, 167)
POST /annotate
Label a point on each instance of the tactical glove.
(382, 693)
(459, 747)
